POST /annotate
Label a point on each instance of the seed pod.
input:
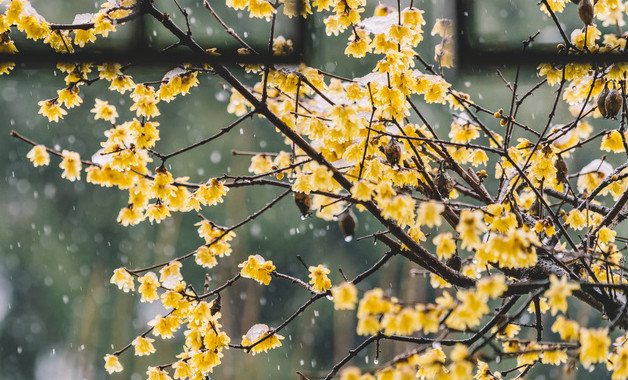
(216, 305)
(561, 170)
(454, 262)
(585, 11)
(392, 150)
(444, 183)
(347, 222)
(600, 101)
(535, 209)
(304, 202)
(612, 103)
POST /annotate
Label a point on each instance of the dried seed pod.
(600, 101)
(454, 262)
(392, 150)
(444, 183)
(304, 203)
(348, 223)
(561, 169)
(535, 209)
(585, 11)
(216, 305)
(612, 103)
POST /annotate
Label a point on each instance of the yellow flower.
(445, 245)
(555, 5)
(129, 216)
(493, 286)
(102, 25)
(345, 296)
(148, 287)
(34, 27)
(429, 213)
(39, 156)
(606, 235)
(104, 111)
(205, 361)
(358, 47)
(318, 278)
(400, 208)
(84, 36)
(260, 164)
(146, 106)
(620, 362)
(165, 326)
(351, 373)
(373, 303)
(182, 370)
(576, 219)
(260, 9)
(162, 187)
(171, 273)
(123, 280)
(157, 212)
(321, 178)
(484, 372)
(431, 363)
(143, 346)
(211, 193)
(362, 191)
(14, 11)
(154, 373)
(258, 332)
(612, 142)
(69, 97)
(122, 83)
(257, 268)
(567, 329)
(51, 109)
(594, 346)
(558, 292)
(554, 357)
(368, 325)
(71, 165)
(205, 257)
(109, 71)
(530, 354)
(469, 312)
(210, 232)
(469, 227)
(112, 364)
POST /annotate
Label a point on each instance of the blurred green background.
(60, 241)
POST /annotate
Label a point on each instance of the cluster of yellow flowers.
(368, 153)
